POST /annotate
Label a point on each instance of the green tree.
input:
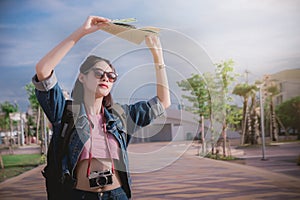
(199, 97)
(207, 97)
(225, 71)
(289, 113)
(236, 116)
(30, 89)
(7, 108)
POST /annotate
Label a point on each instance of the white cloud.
(262, 36)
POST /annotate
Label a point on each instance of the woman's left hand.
(153, 42)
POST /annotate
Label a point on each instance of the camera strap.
(106, 141)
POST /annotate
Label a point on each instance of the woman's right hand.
(93, 23)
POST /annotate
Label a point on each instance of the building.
(176, 125)
(289, 84)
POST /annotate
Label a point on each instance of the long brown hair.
(78, 91)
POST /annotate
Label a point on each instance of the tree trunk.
(203, 137)
(271, 126)
(213, 142)
(249, 133)
(245, 105)
(38, 124)
(28, 135)
(224, 134)
(1, 162)
(274, 124)
(253, 121)
(286, 133)
(11, 139)
(256, 128)
(244, 125)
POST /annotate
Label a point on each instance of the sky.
(261, 36)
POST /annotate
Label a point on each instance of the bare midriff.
(98, 164)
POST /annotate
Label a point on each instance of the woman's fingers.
(153, 41)
(97, 20)
(94, 23)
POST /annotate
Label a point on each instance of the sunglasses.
(99, 74)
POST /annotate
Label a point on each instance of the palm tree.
(253, 124)
(272, 91)
(244, 90)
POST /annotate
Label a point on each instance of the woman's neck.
(93, 106)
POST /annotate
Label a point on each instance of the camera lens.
(101, 181)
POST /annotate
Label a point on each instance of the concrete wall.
(289, 84)
(177, 125)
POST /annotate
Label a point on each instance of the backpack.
(59, 182)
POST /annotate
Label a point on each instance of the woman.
(97, 160)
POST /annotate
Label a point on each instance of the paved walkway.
(179, 174)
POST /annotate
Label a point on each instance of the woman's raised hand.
(94, 23)
(153, 43)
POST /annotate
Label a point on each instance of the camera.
(100, 179)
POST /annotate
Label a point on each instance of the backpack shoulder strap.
(117, 109)
(68, 120)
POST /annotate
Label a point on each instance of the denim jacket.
(52, 101)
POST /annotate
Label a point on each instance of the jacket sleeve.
(50, 97)
(142, 113)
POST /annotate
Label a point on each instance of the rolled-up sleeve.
(45, 85)
(143, 113)
(50, 97)
(156, 107)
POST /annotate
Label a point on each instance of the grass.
(18, 164)
(221, 157)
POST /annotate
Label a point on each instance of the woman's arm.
(163, 92)
(47, 64)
